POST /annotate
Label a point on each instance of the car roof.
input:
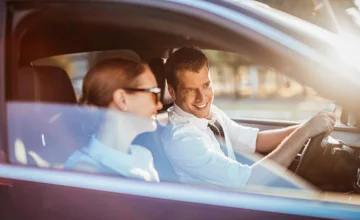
(291, 32)
(301, 30)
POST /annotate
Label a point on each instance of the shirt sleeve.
(242, 138)
(188, 152)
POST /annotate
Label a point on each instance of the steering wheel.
(311, 151)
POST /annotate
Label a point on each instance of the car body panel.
(182, 193)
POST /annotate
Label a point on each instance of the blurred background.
(247, 90)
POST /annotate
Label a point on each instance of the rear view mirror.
(347, 118)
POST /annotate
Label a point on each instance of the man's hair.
(106, 76)
(184, 59)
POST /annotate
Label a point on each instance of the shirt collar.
(179, 116)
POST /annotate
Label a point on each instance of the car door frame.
(3, 118)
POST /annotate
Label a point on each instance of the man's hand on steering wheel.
(318, 127)
(322, 122)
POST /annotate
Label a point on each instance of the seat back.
(43, 84)
(152, 141)
(157, 67)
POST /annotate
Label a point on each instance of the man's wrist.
(304, 131)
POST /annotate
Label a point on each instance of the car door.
(43, 192)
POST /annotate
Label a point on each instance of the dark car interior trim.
(3, 119)
(282, 123)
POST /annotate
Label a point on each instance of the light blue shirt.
(138, 163)
(195, 153)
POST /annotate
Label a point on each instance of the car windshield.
(338, 26)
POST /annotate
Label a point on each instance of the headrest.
(157, 67)
(43, 84)
(113, 54)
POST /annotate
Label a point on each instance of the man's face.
(194, 93)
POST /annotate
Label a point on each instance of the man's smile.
(201, 106)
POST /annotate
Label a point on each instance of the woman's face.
(144, 103)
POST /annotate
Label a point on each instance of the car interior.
(38, 33)
(45, 84)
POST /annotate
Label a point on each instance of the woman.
(124, 86)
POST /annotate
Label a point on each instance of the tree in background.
(226, 60)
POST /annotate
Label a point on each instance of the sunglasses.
(155, 91)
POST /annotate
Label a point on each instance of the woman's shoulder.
(78, 160)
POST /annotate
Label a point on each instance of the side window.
(244, 89)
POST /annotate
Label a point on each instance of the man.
(200, 139)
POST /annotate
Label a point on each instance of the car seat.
(43, 127)
(152, 140)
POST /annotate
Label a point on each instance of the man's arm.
(189, 153)
(288, 149)
(267, 141)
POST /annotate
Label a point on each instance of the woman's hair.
(106, 76)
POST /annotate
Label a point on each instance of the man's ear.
(172, 92)
(119, 100)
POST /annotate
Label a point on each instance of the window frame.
(3, 80)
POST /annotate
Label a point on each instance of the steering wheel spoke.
(311, 151)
